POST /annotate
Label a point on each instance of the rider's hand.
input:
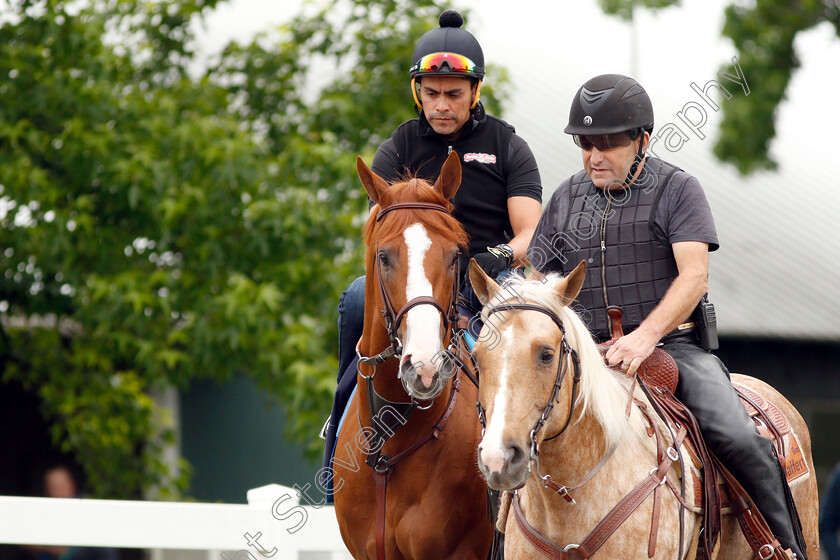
(629, 351)
(491, 264)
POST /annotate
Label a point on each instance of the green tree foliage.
(763, 33)
(160, 224)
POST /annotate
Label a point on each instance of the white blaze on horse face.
(422, 323)
(492, 445)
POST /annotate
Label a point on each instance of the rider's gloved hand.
(491, 264)
(495, 260)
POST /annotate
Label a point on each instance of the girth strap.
(381, 479)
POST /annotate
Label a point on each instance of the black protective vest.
(481, 200)
(616, 229)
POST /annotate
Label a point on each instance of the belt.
(681, 330)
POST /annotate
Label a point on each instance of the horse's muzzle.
(507, 470)
(421, 381)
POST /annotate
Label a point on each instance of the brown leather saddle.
(658, 376)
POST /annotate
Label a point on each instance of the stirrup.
(323, 433)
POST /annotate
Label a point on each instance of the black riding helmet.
(447, 50)
(610, 103)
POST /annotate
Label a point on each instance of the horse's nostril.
(514, 455)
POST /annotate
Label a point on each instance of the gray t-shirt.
(683, 214)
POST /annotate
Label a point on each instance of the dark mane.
(413, 189)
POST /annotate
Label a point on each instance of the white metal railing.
(272, 525)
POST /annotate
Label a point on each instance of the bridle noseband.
(566, 352)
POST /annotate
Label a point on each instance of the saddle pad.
(469, 339)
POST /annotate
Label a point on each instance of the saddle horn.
(615, 313)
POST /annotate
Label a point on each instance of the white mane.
(602, 391)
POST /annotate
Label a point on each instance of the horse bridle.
(566, 351)
(394, 318)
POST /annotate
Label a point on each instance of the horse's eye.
(546, 356)
(383, 258)
(454, 260)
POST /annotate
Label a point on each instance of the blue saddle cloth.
(343, 396)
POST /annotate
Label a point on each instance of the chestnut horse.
(570, 465)
(406, 481)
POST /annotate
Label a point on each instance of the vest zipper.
(604, 250)
(449, 151)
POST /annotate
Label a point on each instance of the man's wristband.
(502, 250)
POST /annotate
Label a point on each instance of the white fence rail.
(272, 525)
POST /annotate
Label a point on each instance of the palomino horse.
(405, 476)
(571, 465)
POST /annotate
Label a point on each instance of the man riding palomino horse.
(645, 230)
(499, 200)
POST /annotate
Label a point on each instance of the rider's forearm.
(519, 244)
(677, 305)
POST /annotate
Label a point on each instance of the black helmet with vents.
(608, 104)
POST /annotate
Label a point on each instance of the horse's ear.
(569, 287)
(450, 176)
(373, 183)
(484, 286)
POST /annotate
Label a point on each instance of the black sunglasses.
(605, 142)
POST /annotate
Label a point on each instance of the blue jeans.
(351, 318)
